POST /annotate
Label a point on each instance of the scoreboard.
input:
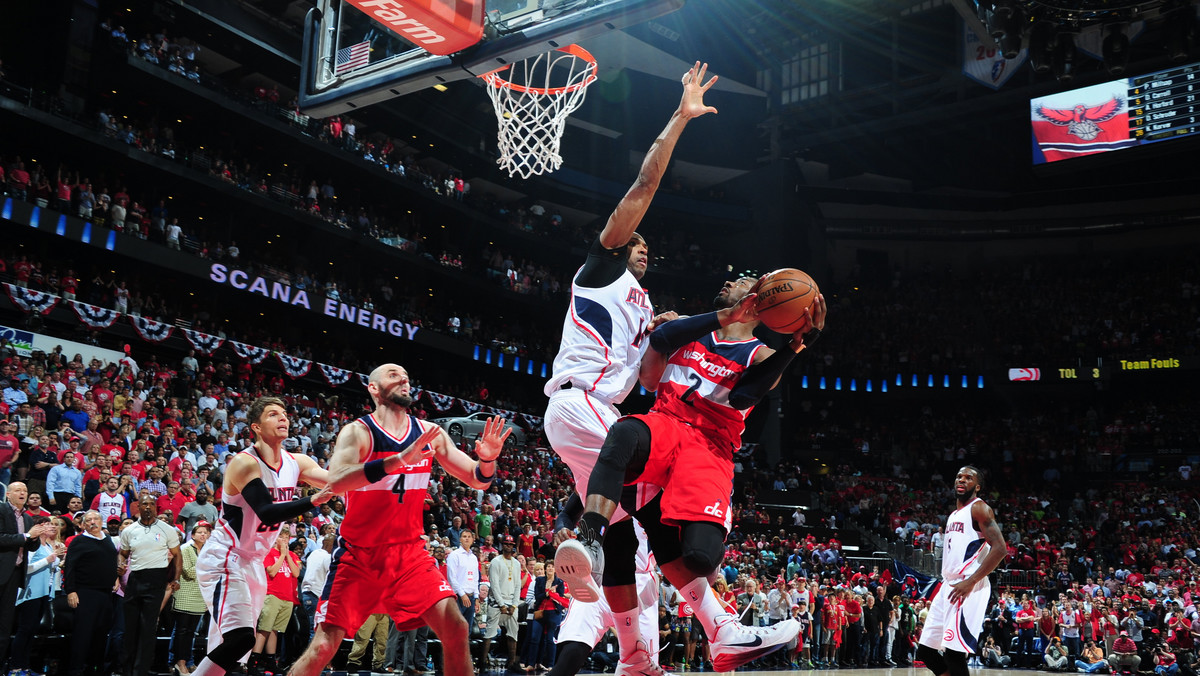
(1165, 105)
(1118, 114)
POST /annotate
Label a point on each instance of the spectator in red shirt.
(9, 448)
(173, 502)
(283, 567)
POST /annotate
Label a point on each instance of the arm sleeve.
(672, 335)
(603, 266)
(759, 378)
(569, 516)
(270, 512)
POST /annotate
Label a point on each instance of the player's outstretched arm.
(347, 471)
(628, 214)
(243, 477)
(310, 472)
(476, 474)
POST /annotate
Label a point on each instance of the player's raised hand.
(809, 331)
(422, 448)
(692, 104)
(491, 442)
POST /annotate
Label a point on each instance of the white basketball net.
(533, 104)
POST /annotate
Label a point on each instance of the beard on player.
(966, 495)
(401, 400)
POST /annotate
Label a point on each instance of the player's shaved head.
(377, 375)
(387, 384)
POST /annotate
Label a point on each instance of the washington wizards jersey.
(389, 511)
(603, 338)
(696, 383)
(963, 548)
(240, 529)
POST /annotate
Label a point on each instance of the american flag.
(352, 57)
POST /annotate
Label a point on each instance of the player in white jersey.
(258, 491)
(603, 340)
(972, 549)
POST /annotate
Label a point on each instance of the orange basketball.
(783, 296)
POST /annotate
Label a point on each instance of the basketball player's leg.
(234, 596)
(448, 624)
(933, 640)
(351, 591)
(689, 556)
(320, 650)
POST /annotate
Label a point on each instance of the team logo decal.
(949, 635)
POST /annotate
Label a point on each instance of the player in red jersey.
(382, 462)
(709, 372)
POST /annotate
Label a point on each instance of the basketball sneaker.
(736, 644)
(639, 663)
(580, 564)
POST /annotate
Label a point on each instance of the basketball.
(783, 296)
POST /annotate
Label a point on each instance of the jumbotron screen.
(1115, 115)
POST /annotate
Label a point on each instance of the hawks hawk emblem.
(1081, 120)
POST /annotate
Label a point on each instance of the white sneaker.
(639, 663)
(736, 644)
(580, 566)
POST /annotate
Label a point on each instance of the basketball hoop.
(533, 104)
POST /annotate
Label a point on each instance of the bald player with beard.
(382, 462)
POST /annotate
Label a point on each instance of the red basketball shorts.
(398, 579)
(695, 471)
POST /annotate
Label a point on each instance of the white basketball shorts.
(576, 424)
(952, 626)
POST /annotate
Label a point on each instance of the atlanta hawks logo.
(949, 636)
(1081, 120)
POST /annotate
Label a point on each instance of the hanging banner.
(93, 315)
(295, 367)
(203, 342)
(250, 353)
(986, 65)
(334, 375)
(148, 329)
(31, 301)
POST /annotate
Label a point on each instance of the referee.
(144, 549)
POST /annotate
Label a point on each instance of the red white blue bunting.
(334, 375)
(533, 422)
(94, 316)
(470, 406)
(250, 353)
(441, 402)
(30, 300)
(148, 329)
(203, 342)
(295, 367)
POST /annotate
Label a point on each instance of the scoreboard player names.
(1165, 105)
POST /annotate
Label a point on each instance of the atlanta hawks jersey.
(389, 511)
(963, 548)
(603, 338)
(696, 383)
(110, 506)
(240, 529)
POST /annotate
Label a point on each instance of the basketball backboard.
(360, 52)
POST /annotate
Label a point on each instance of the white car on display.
(471, 426)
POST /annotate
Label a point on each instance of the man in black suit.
(18, 536)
